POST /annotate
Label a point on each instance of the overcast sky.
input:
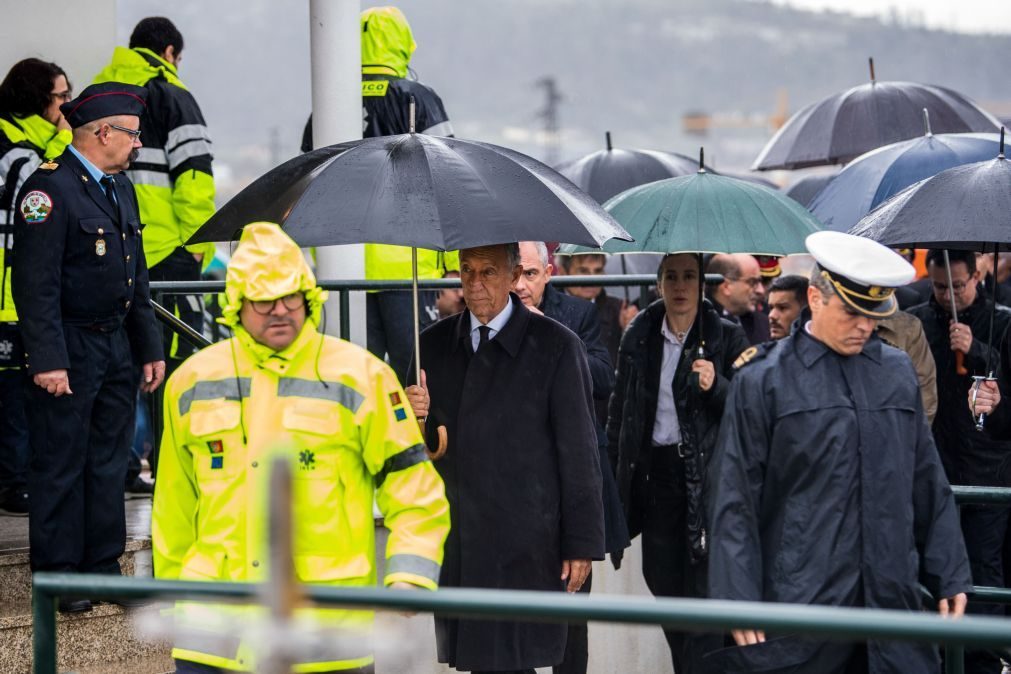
(970, 16)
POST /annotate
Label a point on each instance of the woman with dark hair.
(662, 423)
(32, 129)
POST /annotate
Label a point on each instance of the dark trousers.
(576, 645)
(666, 564)
(15, 452)
(390, 325)
(180, 265)
(80, 444)
(984, 529)
(188, 667)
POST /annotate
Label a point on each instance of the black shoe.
(74, 605)
(139, 488)
(15, 503)
(129, 602)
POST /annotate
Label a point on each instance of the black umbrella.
(415, 190)
(967, 207)
(605, 173)
(807, 188)
(842, 127)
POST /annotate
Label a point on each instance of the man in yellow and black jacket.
(172, 172)
(32, 130)
(387, 46)
(279, 388)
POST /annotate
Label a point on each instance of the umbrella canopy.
(874, 177)
(807, 188)
(415, 190)
(607, 172)
(966, 207)
(840, 128)
(708, 213)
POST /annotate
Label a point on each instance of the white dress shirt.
(496, 324)
(666, 429)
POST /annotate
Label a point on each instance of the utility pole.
(549, 114)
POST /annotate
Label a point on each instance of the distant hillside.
(630, 66)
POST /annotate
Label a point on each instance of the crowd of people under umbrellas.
(766, 434)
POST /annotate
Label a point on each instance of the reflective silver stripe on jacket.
(28, 168)
(151, 155)
(351, 644)
(186, 132)
(208, 642)
(440, 129)
(213, 390)
(413, 564)
(411, 456)
(151, 178)
(334, 391)
(193, 148)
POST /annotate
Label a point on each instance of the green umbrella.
(706, 213)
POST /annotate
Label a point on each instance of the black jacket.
(580, 316)
(388, 114)
(521, 472)
(969, 457)
(82, 263)
(827, 490)
(632, 409)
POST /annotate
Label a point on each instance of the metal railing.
(836, 623)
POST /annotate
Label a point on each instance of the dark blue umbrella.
(807, 188)
(871, 179)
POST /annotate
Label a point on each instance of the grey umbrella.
(840, 128)
(807, 188)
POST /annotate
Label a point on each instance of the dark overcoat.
(521, 473)
(827, 489)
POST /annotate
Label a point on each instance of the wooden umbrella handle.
(960, 368)
(440, 450)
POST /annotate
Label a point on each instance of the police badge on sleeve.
(36, 207)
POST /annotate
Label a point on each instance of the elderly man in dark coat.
(521, 470)
(827, 487)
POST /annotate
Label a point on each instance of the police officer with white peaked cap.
(826, 485)
(80, 285)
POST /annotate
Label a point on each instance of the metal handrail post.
(43, 630)
(954, 659)
(345, 314)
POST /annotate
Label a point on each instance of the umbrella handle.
(960, 364)
(440, 450)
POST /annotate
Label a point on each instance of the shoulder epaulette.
(752, 353)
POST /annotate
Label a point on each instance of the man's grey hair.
(542, 251)
(821, 282)
(512, 251)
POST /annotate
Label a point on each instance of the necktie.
(110, 193)
(483, 332)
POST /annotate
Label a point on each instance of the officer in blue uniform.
(80, 283)
(826, 485)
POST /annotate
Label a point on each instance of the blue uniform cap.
(107, 99)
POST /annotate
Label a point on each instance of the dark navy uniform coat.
(827, 489)
(83, 264)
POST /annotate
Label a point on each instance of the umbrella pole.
(959, 356)
(702, 306)
(417, 316)
(993, 314)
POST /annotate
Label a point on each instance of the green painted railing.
(688, 614)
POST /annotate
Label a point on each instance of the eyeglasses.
(292, 302)
(64, 96)
(754, 281)
(134, 133)
(957, 286)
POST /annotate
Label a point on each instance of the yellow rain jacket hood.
(267, 265)
(129, 66)
(387, 42)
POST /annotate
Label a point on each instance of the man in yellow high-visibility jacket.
(280, 388)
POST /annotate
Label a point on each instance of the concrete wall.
(78, 36)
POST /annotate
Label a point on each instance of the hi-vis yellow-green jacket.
(172, 174)
(340, 417)
(24, 143)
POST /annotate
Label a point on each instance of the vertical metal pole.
(345, 313)
(43, 632)
(954, 659)
(417, 316)
(336, 67)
